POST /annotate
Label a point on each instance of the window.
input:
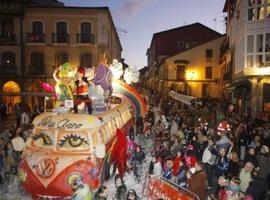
(208, 53)
(258, 9)
(187, 45)
(193, 44)
(37, 63)
(86, 60)
(181, 72)
(249, 61)
(267, 47)
(260, 55)
(37, 28)
(205, 90)
(250, 44)
(86, 31)
(208, 72)
(259, 43)
(6, 28)
(180, 44)
(8, 59)
(268, 9)
(61, 32)
(61, 58)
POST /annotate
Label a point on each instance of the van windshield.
(61, 140)
(44, 138)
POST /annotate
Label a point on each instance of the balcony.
(85, 38)
(36, 70)
(8, 69)
(35, 38)
(7, 37)
(60, 38)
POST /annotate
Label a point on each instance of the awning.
(181, 97)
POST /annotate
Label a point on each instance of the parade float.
(73, 148)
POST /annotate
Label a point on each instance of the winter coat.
(176, 165)
(209, 155)
(139, 157)
(197, 184)
(222, 166)
(233, 168)
(264, 163)
(257, 189)
(182, 177)
(157, 169)
(245, 179)
(121, 192)
(167, 173)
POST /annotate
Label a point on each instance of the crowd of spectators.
(206, 148)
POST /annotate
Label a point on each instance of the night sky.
(142, 18)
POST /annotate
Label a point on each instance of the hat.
(236, 180)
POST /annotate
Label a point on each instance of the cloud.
(130, 8)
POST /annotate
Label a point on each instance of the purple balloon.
(103, 77)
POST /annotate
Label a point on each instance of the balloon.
(117, 69)
(47, 87)
(18, 143)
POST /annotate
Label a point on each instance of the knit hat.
(236, 180)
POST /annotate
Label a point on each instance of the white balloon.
(18, 143)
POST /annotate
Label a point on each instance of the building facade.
(194, 72)
(168, 44)
(248, 32)
(48, 36)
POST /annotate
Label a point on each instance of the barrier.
(163, 188)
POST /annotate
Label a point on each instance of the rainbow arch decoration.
(129, 93)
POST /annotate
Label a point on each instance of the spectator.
(222, 163)
(102, 193)
(257, 188)
(209, 159)
(132, 195)
(25, 118)
(121, 188)
(245, 176)
(155, 168)
(197, 182)
(167, 172)
(251, 157)
(177, 162)
(234, 166)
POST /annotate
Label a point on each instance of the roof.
(185, 61)
(183, 28)
(41, 3)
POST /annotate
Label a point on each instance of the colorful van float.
(65, 146)
(69, 149)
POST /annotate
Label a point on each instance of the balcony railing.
(8, 69)
(7, 37)
(35, 38)
(85, 38)
(32, 70)
(60, 38)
